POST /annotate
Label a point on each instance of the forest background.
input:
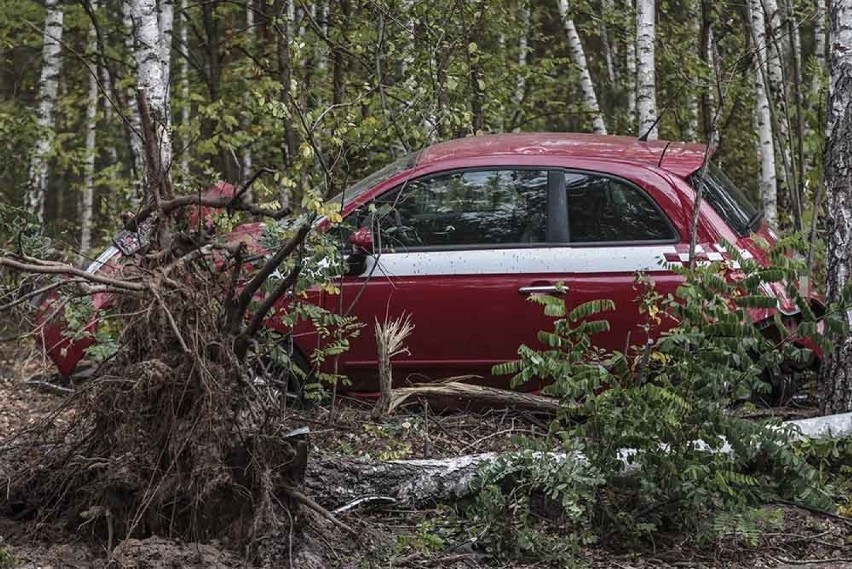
(268, 83)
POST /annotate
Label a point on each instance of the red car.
(463, 231)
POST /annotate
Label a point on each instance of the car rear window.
(727, 199)
(606, 210)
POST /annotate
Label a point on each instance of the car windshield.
(353, 191)
(728, 200)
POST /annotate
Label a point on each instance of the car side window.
(474, 208)
(603, 209)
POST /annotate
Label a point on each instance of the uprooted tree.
(172, 435)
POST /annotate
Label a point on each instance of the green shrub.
(664, 450)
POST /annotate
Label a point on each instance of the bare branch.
(70, 270)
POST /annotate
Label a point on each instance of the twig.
(310, 503)
(62, 269)
(811, 561)
(365, 500)
(37, 292)
(171, 320)
(817, 511)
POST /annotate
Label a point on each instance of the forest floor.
(789, 537)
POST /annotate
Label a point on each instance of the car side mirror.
(361, 241)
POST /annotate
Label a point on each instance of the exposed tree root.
(168, 438)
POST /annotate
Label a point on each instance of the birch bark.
(777, 89)
(523, 48)
(765, 144)
(837, 176)
(135, 122)
(153, 47)
(247, 157)
(48, 87)
(578, 55)
(630, 66)
(819, 39)
(646, 80)
(88, 201)
(183, 71)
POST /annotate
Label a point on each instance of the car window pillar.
(557, 207)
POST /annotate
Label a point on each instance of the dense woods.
(260, 84)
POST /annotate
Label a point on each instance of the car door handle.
(543, 289)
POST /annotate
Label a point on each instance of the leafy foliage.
(656, 424)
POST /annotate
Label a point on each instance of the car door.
(459, 252)
(616, 230)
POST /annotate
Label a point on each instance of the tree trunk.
(153, 34)
(336, 481)
(609, 51)
(246, 162)
(819, 44)
(183, 71)
(691, 96)
(134, 125)
(87, 205)
(284, 11)
(837, 368)
(523, 48)
(777, 88)
(765, 145)
(578, 55)
(646, 81)
(630, 66)
(48, 87)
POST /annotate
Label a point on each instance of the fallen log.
(338, 482)
(479, 394)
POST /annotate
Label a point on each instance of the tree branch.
(69, 270)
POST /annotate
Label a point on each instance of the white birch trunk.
(837, 176)
(578, 55)
(523, 48)
(765, 143)
(106, 81)
(775, 70)
(183, 71)
(138, 154)
(819, 38)
(88, 201)
(152, 69)
(48, 87)
(247, 157)
(646, 79)
(630, 66)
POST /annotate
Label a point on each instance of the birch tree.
(763, 116)
(523, 48)
(247, 157)
(819, 40)
(837, 176)
(87, 202)
(48, 87)
(183, 72)
(630, 66)
(646, 81)
(134, 124)
(153, 48)
(578, 55)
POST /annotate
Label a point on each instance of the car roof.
(680, 158)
